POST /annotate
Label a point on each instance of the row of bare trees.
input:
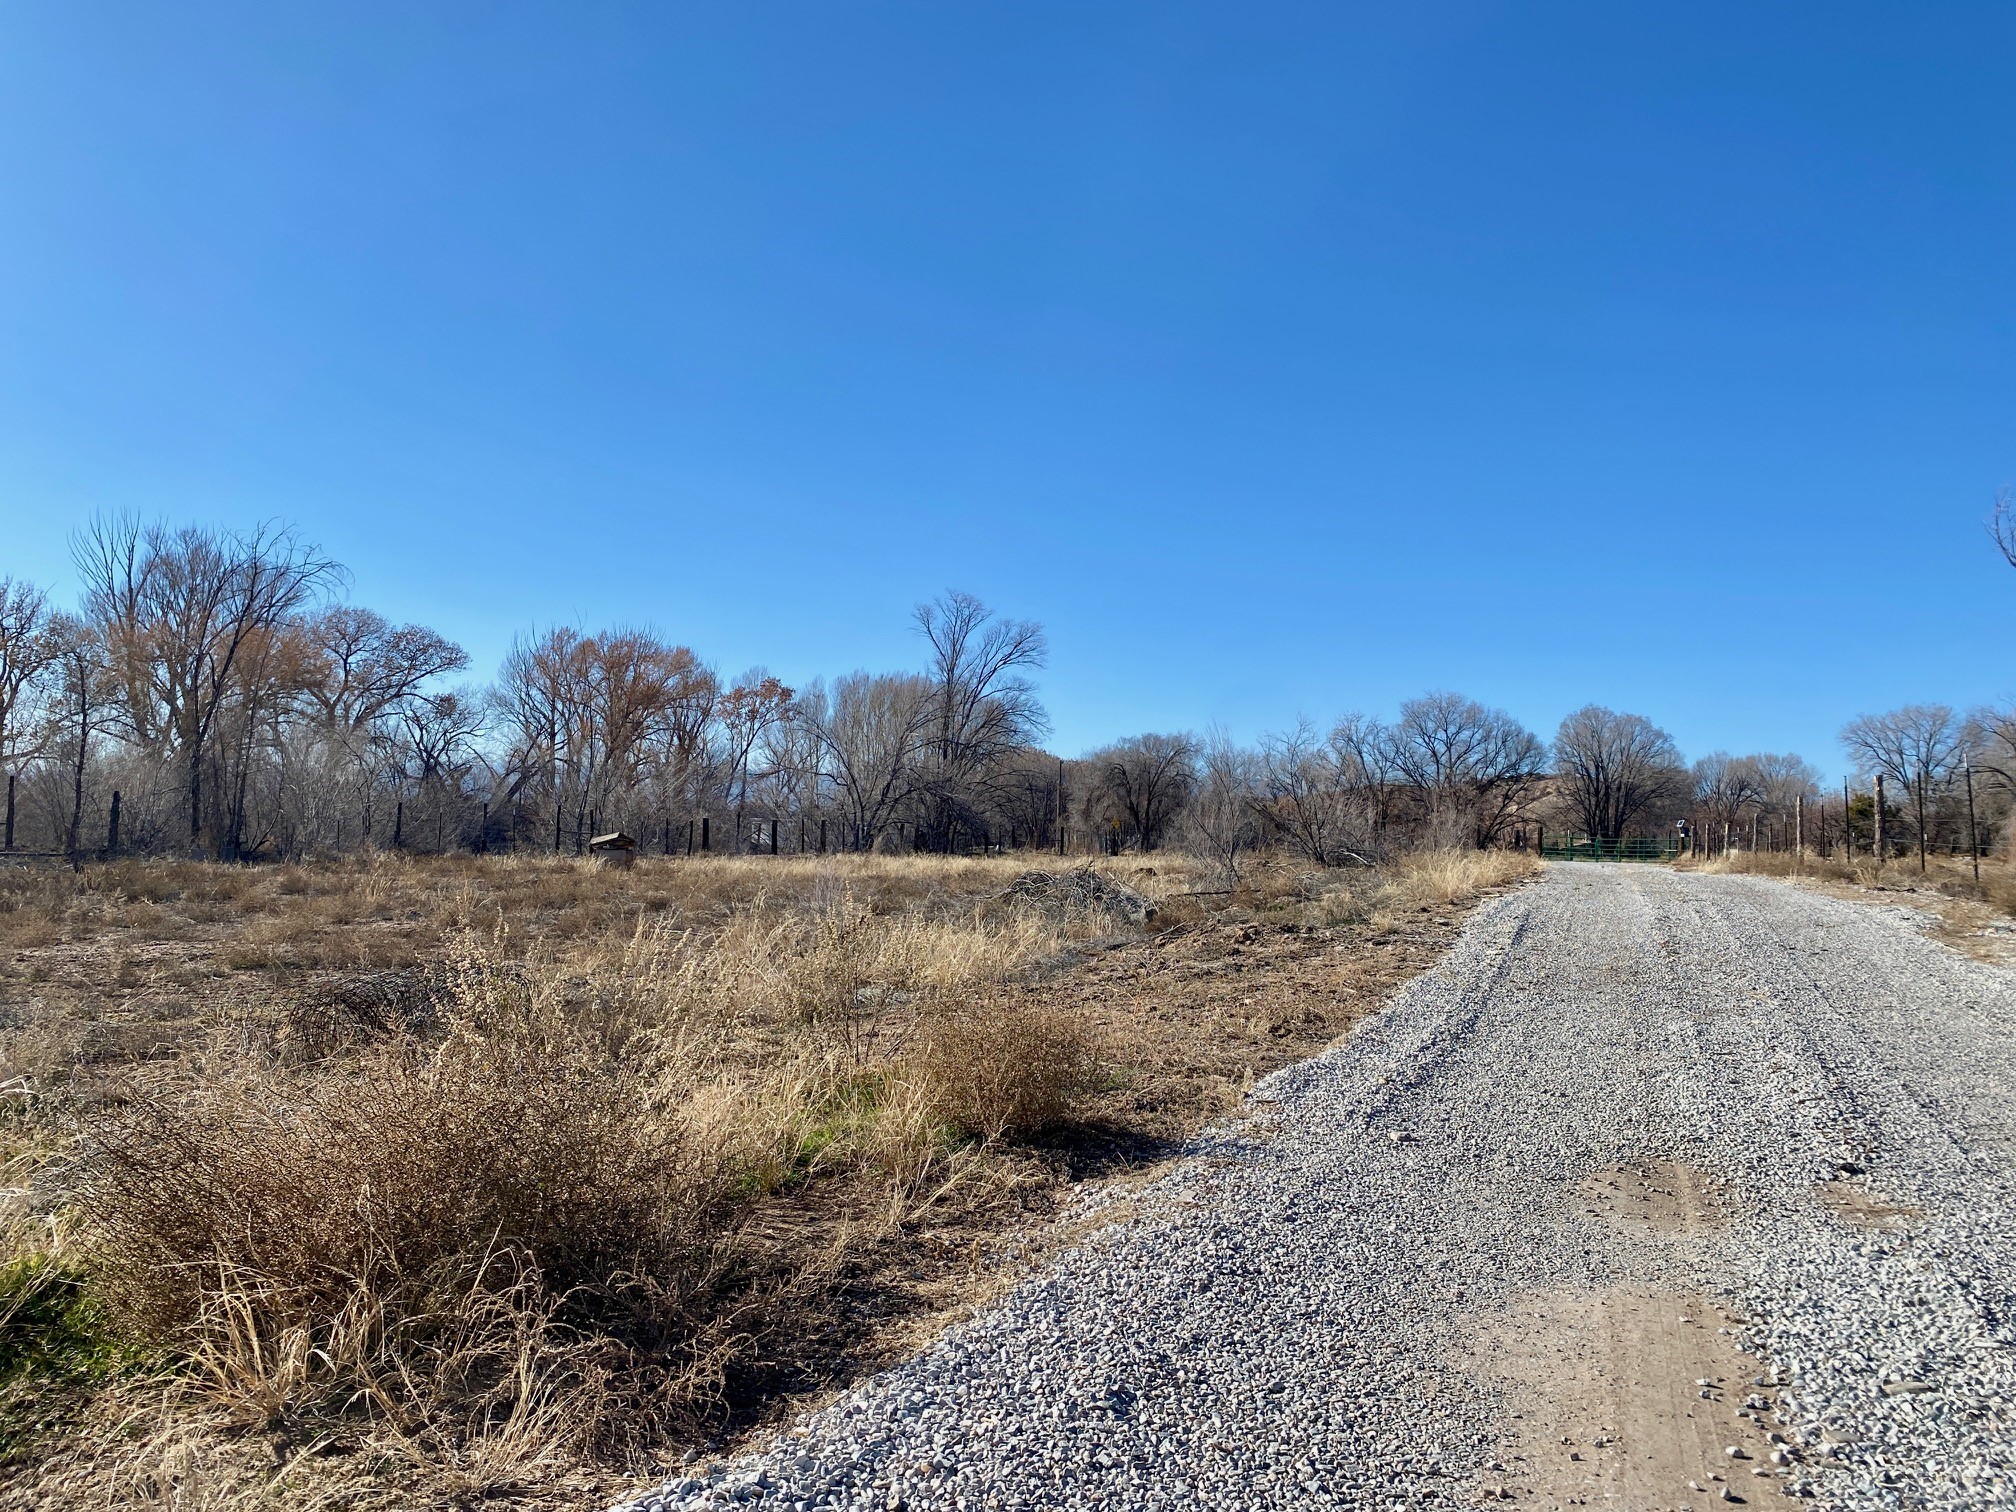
(1449, 771)
(212, 696)
(214, 682)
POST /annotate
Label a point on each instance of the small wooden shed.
(614, 849)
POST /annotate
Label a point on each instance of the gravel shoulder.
(1652, 1166)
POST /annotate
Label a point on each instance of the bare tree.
(79, 711)
(177, 609)
(1317, 803)
(366, 667)
(984, 707)
(1221, 821)
(1474, 767)
(27, 651)
(1361, 749)
(1916, 745)
(2002, 524)
(1615, 768)
(1145, 780)
(1727, 787)
(872, 733)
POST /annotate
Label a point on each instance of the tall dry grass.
(1446, 876)
(564, 1167)
(533, 1205)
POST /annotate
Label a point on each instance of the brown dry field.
(121, 981)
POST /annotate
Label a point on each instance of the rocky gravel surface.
(1293, 1317)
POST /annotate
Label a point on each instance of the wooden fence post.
(10, 811)
(1060, 805)
(112, 828)
(1973, 834)
(1882, 847)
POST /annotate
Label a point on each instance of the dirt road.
(1660, 1191)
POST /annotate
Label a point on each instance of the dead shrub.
(306, 1239)
(988, 1069)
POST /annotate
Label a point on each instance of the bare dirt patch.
(1662, 1195)
(1631, 1398)
(1634, 1396)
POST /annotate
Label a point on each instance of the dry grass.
(1444, 876)
(1948, 876)
(415, 1181)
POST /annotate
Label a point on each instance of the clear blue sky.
(1277, 357)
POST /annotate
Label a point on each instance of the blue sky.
(1279, 358)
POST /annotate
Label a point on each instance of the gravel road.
(1661, 1191)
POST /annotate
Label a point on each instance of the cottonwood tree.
(983, 705)
(28, 649)
(590, 714)
(749, 714)
(27, 652)
(1361, 749)
(1917, 745)
(1144, 781)
(1614, 769)
(1221, 822)
(1475, 768)
(2002, 524)
(1727, 787)
(871, 730)
(80, 710)
(1313, 794)
(180, 612)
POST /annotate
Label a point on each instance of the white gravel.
(1284, 1324)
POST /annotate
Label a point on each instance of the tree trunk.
(196, 799)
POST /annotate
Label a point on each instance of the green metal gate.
(1585, 848)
